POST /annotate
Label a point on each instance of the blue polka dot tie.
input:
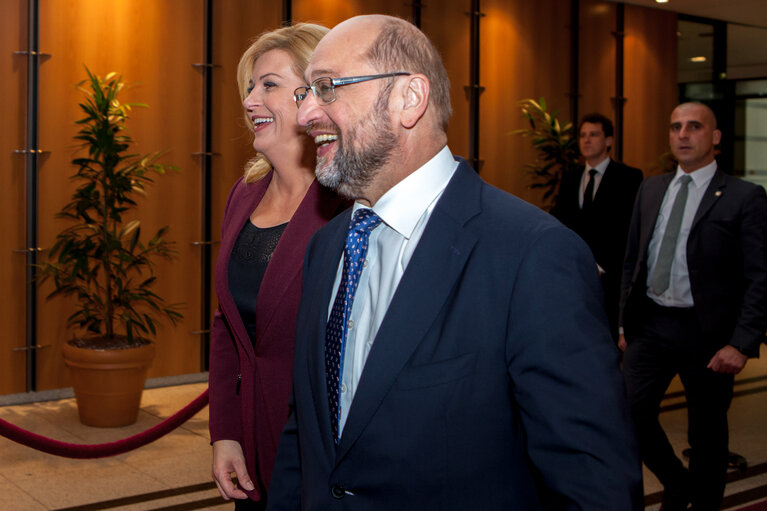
(362, 224)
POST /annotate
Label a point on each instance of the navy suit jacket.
(492, 382)
(606, 226)
(726, 259)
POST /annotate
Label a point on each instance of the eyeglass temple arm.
(357, 79)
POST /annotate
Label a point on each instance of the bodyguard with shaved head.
(452, 348)
(694, 303)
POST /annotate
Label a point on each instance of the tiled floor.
(170, 473)
(173, 473)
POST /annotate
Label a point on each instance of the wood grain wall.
(596, 58)
(651, 86)
(153, 46)
(524, 52)
(332, 12)
(447, 25)
(13, 37)
(649, 75)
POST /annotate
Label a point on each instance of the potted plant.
(555, 144)
(102, 262)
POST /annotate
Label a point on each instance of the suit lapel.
(285, 266)
(242, 203)
(713, 192)
(436, 264)
(570, 192)
(608, 177)
(652, 205)
(327, 258)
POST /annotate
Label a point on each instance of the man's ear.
(415, 100)
(717, 137)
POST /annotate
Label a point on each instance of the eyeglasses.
(324, 87)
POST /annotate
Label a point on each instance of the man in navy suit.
(596, 202)
(469, 365)
(694, 303)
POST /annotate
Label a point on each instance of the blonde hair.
(299, 41)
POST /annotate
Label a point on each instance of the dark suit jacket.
(250, 388)
(605, 226)
(726, 258)
(492, 375)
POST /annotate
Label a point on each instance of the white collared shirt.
(678, 293)
(405, 210)
(601, 168)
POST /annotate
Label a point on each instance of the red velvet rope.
(82, 451)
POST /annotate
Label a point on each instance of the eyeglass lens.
(322, 88)
(299, 95)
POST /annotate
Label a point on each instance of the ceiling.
(747, 12)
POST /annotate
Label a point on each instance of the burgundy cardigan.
(250, 388)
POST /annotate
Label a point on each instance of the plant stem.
(107, 199)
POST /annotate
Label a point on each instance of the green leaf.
(96, 259)
(554, 143)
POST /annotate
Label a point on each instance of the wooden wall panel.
(524, 54)
(650, 85)
(236, 24)
(596, 58)
(332, 12)
(13, 37)
(447, 25)
(153, 44)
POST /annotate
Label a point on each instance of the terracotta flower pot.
(108, 383)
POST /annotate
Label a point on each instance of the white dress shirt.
(678, 293)
(404, 210)
(600, 168)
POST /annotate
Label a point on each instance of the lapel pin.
(718, 193)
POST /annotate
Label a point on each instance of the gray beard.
(352, 170)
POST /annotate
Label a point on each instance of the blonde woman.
(271, 213)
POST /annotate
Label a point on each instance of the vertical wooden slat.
(475, 88)
(619, 100)
(575, 48)
(32, 153)
(207, 68)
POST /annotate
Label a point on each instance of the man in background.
(596, 202)
(694, 303)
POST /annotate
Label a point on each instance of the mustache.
(321, 126)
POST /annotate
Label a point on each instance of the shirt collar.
(700, 178)
(403, 204)
(601, 167)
